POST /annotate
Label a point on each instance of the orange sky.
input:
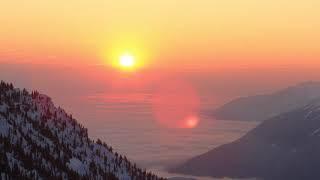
(181, 33)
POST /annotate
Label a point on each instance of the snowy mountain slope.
(262, 107)
(41, 141)
(283, 147)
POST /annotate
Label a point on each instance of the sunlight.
(127, 61)
(126, 54)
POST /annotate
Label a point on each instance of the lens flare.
(191, 121)
(175, 104)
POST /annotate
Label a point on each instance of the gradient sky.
(175, 34)
(220, 49)
(209, 51)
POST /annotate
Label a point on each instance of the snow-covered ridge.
(40, 141)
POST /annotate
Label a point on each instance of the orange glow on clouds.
(175, 104)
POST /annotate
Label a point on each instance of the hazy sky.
(207, 52)
(176, 34)
(224, 48)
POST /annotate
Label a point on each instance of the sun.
(127, 61)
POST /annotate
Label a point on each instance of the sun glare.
(191, 122)
(127, 61)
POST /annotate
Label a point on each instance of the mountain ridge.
(41, 141)
(263, 106)
(283, 147)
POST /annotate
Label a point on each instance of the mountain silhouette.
(262, 107)
(283, 147)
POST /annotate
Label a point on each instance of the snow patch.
(4, 128)
(77, 166)
(315, 132)
(3, 108)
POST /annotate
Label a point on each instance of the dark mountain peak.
(307, 84)
(283, 147)
(262, 107)
(310, 88)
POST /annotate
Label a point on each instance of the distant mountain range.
(262, 107)
(41, 141)
(283, 147)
